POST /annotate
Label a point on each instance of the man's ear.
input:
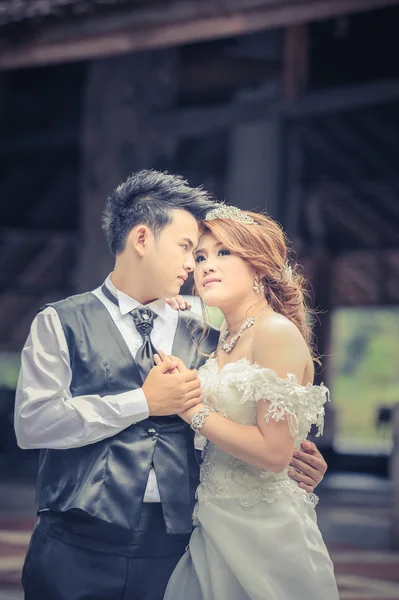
(139, 238)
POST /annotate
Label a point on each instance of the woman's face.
(221, 278)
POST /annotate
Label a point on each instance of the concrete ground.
(353, 513)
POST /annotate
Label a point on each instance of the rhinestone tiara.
(225, 211)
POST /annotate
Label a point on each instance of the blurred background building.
(288, 106)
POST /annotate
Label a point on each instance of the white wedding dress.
(256, 535)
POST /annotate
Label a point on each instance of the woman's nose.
(208, 268)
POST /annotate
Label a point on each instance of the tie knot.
(144, 320)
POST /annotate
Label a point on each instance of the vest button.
(152, 432)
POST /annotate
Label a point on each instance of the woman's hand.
(179, 303)
(162, 357)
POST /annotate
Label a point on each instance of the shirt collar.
(127, 303)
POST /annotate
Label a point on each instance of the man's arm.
(46, 415)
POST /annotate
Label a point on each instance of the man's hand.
(169, 392)
(179, 303)
(309, 466)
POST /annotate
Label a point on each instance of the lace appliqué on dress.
(235, 391)
(233, 478)
(302, 406)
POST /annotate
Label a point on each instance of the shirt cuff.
(133, 404)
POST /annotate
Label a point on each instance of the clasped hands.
(170, 387)
(180, 392)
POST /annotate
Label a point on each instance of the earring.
(258, 285)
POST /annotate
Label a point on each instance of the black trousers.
(66, 560)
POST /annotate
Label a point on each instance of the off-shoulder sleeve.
(302, 406)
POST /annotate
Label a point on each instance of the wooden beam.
(322, 277)
(341, 132)
(31, 254)
(118, 138)
(295, 81)
(358, 278)
(293, 188)
(364, 220)
(353, 224)
(167, 24)
(360, 282)
(35, 270)
(213, 70)
(387, 192)
(2, 104)
(39, 290)
(21, 236)
(62, 137)
(200, 121)
(378, 130)
(296, 60)
(20, 308)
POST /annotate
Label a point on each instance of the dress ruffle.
(301, 405)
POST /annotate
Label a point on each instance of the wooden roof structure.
(37, 32)
(345, 170)
(39, 11)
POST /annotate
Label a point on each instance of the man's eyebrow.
(189, 242)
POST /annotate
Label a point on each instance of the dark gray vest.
(106, 480)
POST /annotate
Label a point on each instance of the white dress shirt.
(47, 416)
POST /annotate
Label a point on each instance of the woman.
(256, 536)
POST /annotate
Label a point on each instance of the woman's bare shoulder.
(278, 344)
(276, 325)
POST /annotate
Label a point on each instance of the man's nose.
(189, 265)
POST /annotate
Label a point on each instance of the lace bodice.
(235, 391)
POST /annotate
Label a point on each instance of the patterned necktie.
(144, 320)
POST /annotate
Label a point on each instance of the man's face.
(169, 257)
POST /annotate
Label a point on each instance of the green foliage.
(9, 369)
(365, 373)
(215, 316)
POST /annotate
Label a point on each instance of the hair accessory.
(225, 211)
(288, 272)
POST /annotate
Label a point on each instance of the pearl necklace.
(228, 347)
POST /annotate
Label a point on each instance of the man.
(118, 471)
